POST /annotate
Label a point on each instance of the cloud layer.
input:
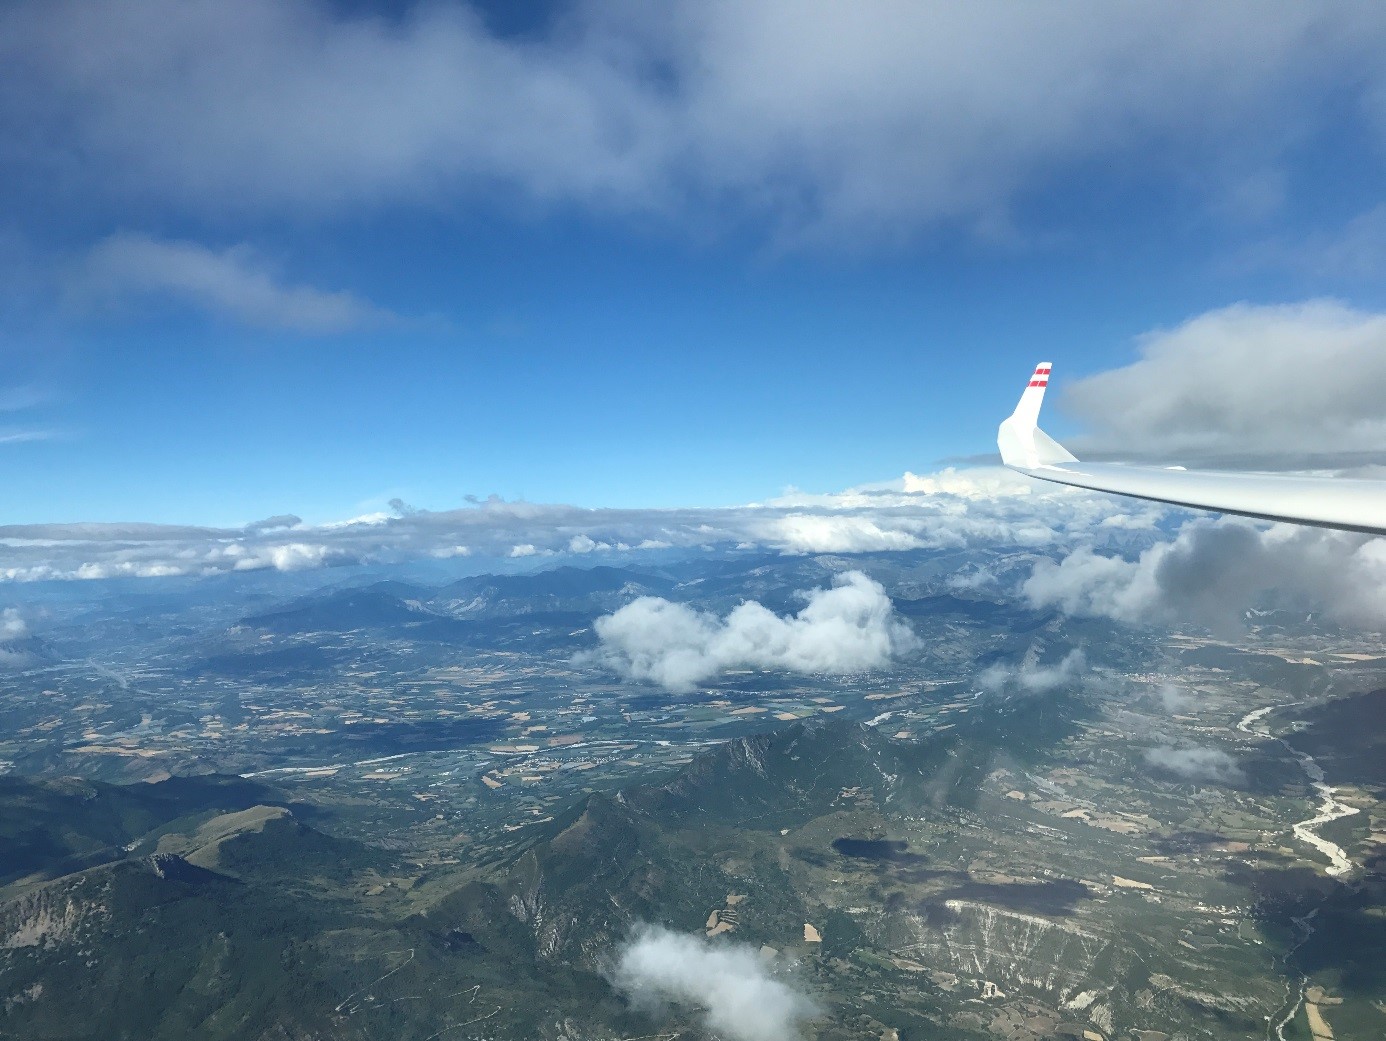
(851, 627)
(1278, 387)
(992, 507)
(828, 120)
(738, 995)
(1213, 571)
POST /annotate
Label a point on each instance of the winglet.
(1022, 443)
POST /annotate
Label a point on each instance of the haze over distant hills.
(393, 807)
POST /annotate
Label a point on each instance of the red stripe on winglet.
(1038, 383)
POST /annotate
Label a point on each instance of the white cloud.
(1173, 699)
(828, 120)
(171, 559)
(972, 580)
(369, 520)
(292, 556)
(12, 625)
(1214, 571)
(586, 544)
(13, 628)
(1028, 677)
(851, 627)
(1089, 583)
(733, 988)
(233, 283)
(980, 507)
(1274, 386)
(281, 556)
(1195, 763)
(984, 483)
(802, 533)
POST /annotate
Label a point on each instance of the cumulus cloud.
(850, 627)
(1284, 387)
(232, 283)
(1029, 677)
(1214, 571)
(1195, 763)
(735, 991)
(804, 533)
(858, 122)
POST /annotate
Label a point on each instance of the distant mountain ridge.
(564, 594)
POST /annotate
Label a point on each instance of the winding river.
(1329, 809)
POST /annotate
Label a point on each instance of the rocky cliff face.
(53, 917)
(978, 941)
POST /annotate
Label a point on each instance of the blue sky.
(307, 258)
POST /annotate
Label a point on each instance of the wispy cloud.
(20, 398)
(24, 437)
(25, 429)
(1353, 251)
(1029, 677)
(1195, 763)
(232, 283)
(12, 625)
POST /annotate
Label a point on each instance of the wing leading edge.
(1348, 504)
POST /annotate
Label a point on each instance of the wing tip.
(1022, 444)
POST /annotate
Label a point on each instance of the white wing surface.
(1328, 502)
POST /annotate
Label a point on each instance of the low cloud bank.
(1213, 571)
(851, 627)
(1196, 763)
(740, 998)
(956, 508)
